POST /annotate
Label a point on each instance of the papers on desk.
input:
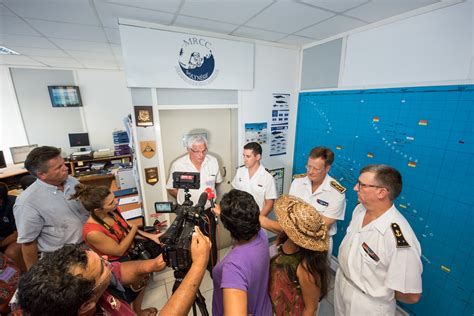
(137, 212)
(129, 200)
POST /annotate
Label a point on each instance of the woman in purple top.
(241, 278)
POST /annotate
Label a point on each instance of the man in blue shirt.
(46, 219)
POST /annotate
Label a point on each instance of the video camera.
(177, 239)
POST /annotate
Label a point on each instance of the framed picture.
(143, 116)
(65, 96)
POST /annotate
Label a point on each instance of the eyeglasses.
(197, 152)
(107, 266)
(364, 185)
(311, 168)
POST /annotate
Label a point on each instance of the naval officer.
(379, 258)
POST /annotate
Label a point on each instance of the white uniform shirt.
(388, 268)
(326, 199)
(261, 186)
(209, 176)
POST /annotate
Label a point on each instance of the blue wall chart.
(427, 134)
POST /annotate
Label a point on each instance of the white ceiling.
(84, 33)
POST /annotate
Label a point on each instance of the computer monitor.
(3, 164)
(19, 153)
(65, 96)
(79, 140)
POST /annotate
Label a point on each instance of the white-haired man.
(197, 160)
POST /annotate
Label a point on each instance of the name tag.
(324, 203)
(370, 252)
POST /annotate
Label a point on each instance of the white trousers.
(349, 300)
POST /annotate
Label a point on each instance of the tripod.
(200, 301)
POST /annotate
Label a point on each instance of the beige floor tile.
(155, 297)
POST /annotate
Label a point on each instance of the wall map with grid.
(427, 134)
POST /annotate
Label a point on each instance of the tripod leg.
(201, 303)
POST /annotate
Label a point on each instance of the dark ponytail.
(317, 264)
(91, 197)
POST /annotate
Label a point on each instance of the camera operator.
(108, 234)
(199, 161)
(79, 282)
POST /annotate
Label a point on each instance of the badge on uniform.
(339, 188)
(397, 232)
(370, 252)
(323, 203)
(298, 176)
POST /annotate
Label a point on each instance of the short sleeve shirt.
(370, 258)
(326, 199)
(209, 174)
(45, 214)
(261, 186)
(247, 268)
(111, 305)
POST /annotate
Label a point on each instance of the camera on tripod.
(177, 239)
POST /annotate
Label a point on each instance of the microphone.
(202, 200)
(210, 196)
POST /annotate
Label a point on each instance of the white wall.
(105, 97)
(12, 131)
(44, 124)
(471, 73)
(276, 71)
(433, 47)
(106, 102)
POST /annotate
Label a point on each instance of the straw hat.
(302, 223)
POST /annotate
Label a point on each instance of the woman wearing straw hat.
(299, 273)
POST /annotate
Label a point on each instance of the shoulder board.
(297, 176)
(339, 188)
(397, 232)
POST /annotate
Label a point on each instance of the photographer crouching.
(76, 281)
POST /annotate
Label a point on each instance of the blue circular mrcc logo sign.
(196, 61)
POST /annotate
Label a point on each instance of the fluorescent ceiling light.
(7, 51)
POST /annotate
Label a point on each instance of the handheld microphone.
(202, 200)
(210, 196)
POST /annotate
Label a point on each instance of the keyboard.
(82, 153)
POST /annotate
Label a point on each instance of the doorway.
(221, 129)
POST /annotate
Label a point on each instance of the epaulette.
(297, 176)
(397, 232)
(339, 188)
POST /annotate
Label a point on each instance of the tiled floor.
(160, 290)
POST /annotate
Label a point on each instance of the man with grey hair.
(379, 258)
(46, 219)
(197, 160)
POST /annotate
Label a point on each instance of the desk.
(97, 179)
(12, 174)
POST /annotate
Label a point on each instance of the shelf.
(76, 166)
